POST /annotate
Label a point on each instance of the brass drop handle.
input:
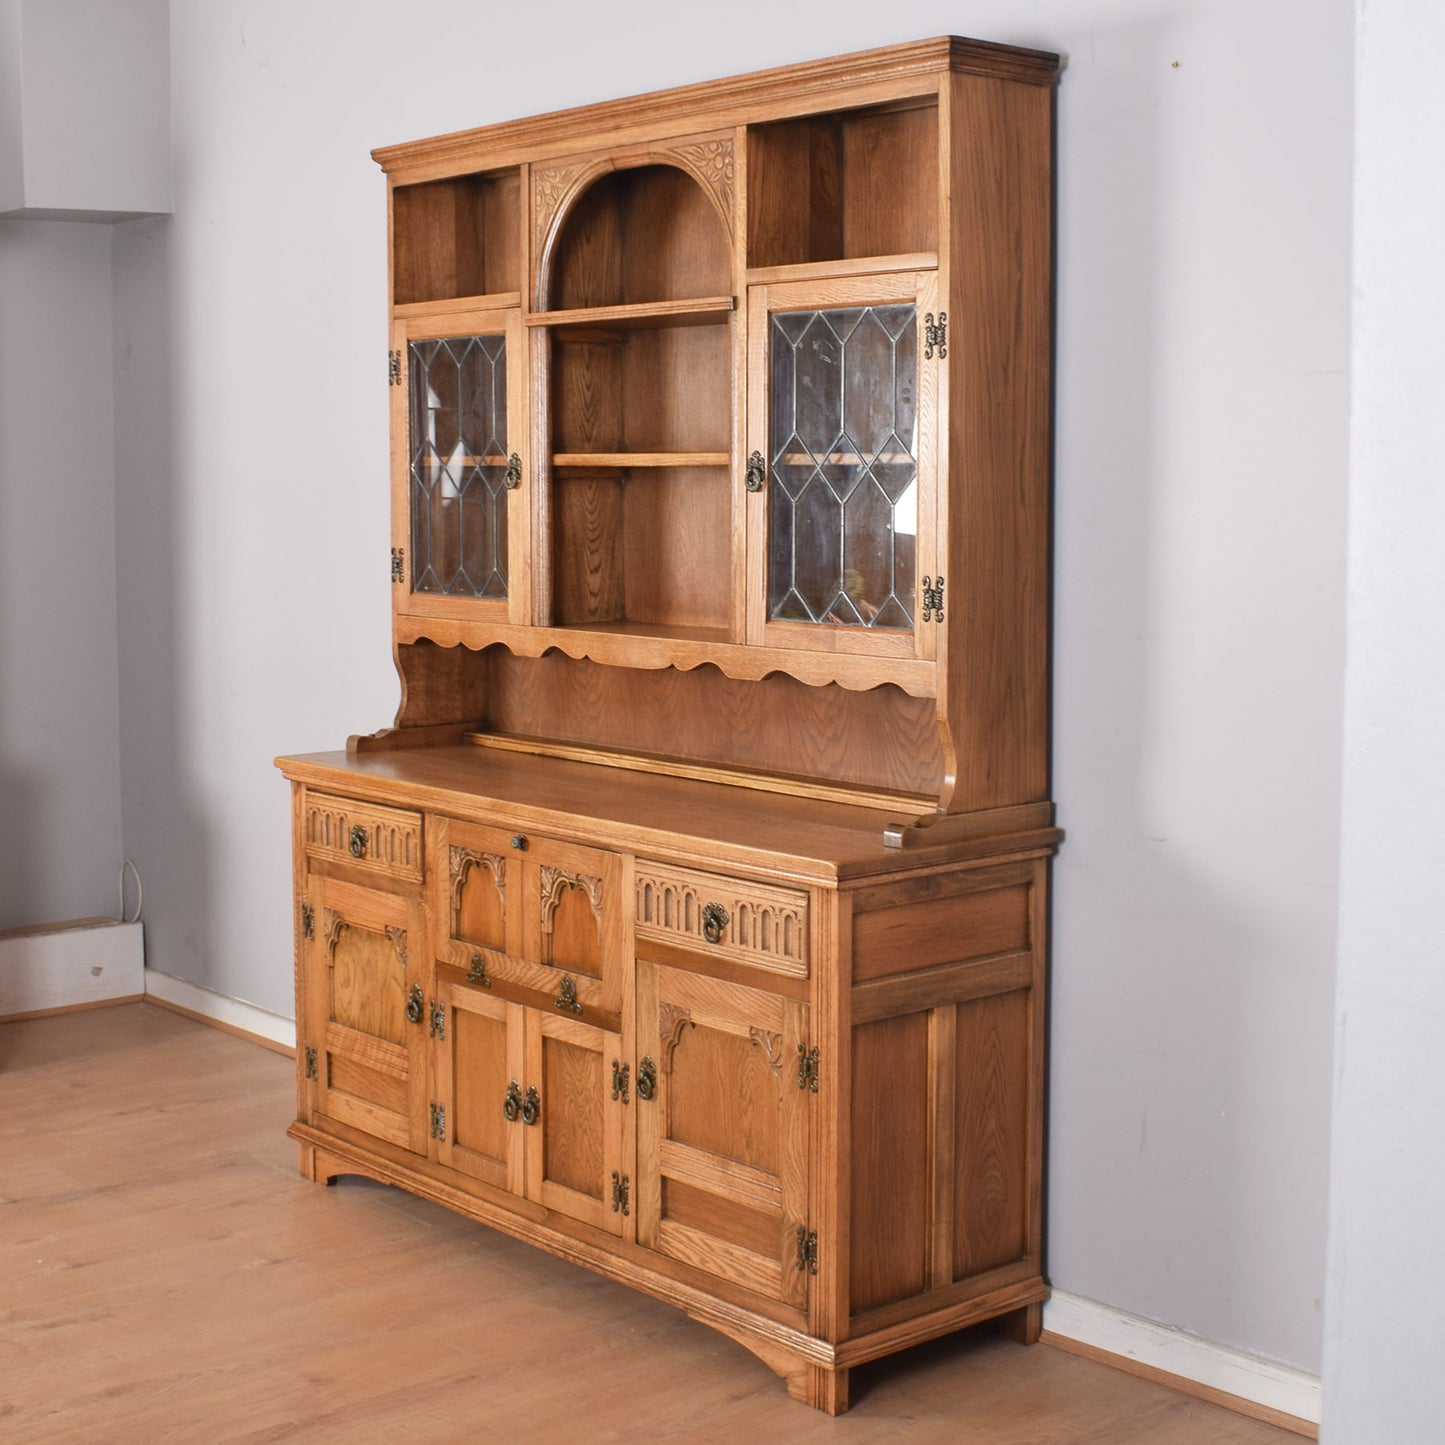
(647, 1079)
(477, 972)
(531, 1106)
(714, 922)
(357, 842)
(414, 1006)
(755, 473)
(512, 1104)
(514, 472)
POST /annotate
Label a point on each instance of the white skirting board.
(69, 965)
(233, 1012)
(1278, 1387)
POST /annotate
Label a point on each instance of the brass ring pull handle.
(512, 1104)
(357, 842)
(531, 1107)
(714, 922)
(414, 1006)
(514, 472)
(646, 1079)
(755, 473)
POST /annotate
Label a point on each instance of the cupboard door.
(552, 917)
(842, 443)
(368, 1010)
(479, 1068)
(575, 1123)
(722, 1143)
(459, 518)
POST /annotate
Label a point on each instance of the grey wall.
(60, 839)
(1203, 304)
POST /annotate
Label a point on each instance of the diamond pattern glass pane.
(458, 466)
(843, 448)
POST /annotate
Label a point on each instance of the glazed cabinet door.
(841, 472)
(539, 913)
(366, 1002)
(459, 520)
(722, 1129)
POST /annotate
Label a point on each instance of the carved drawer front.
(751, 923)
(383, 840)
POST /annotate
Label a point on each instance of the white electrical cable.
(139, 891)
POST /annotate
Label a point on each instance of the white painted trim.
(70, 965)
(1279, 1387)
(233, 1011)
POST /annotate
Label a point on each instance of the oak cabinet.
(689, 921)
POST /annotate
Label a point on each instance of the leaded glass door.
(458, 521)
(841, 440)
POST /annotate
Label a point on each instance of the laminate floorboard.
(166, 1276)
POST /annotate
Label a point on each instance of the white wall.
(60, 819)
(1203, 305)
(1386, 1266)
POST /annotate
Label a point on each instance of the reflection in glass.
(843, 447)
(458, 465)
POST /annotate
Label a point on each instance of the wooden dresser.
(690, 920)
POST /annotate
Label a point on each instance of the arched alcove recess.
(619, 236)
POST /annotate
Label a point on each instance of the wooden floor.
(165, 1275)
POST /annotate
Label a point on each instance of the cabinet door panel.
(459, 520)
(722, 1146)
(843, 413)
(480, 1056)
(363, 967)
(575, 1148)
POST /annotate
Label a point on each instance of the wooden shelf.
(615, 461)
(701, 311)
(854, 266)
(496, 301)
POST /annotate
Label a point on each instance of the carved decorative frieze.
(768, 927)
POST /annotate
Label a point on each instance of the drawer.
(752, 923)
(364, 835)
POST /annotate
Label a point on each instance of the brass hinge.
(439, 1122)
(398, 564)
(935, 334)
(932, 600)
(807, 1068)
(438, 1019)
(621, 1186)
(311, 1070)
(393, 368)
(620, 1074)
(807, 1250)
(308, 921)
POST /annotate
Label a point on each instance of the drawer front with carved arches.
(744, 922)
(364, 835)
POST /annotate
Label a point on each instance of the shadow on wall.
(20, 858)
(165, 828)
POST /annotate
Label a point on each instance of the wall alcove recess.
(689, 920)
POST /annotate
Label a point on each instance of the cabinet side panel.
(890, 1139)
(995, 686)
(992, 1137)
